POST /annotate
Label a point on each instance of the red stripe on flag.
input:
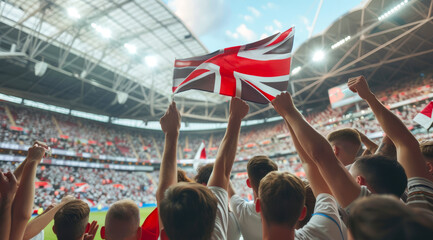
(193, 75)
(268, 96)
(272, 68)
(180, 63)
(280, 38)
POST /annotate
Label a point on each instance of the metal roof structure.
(98, 52)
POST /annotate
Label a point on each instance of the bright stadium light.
(151, 61)
(318, 56)
(73, 13)
(131, 48)
(393, 10)
(296, 70)
(341, 42)
(105, 32)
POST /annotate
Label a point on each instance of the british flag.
(255, 72)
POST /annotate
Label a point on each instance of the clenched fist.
(359, 85)
(283, 103)
(170, 122)
(238, 108)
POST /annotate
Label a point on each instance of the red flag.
(424, 118)
(255, 72)
(150, 227)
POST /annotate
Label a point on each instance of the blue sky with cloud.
(224, 23)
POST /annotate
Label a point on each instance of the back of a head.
(386, 217)
(427, 150)
(182, 177)
(347, 139)
(257, 168)
(71, 220)
(203, 173)
(122, 220)
(282, 198)
(382, 174)
(188, 211)
(310, 203)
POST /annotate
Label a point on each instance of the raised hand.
(283, 103)
(170, 122)
(238, 108)
(91, 231)
(8, 187)
(37, 151)
(359, 85)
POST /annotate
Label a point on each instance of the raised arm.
(343, 186)
(37, 224)
(370, 145)
(170, 124)
(23, 202)
(220, 176)
(408, 152)
(8, 188)
(317, 183)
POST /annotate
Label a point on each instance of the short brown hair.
(182, 177)
(386, 217)
(257, 168)
(310, 203)
(282, 198)
(71, 220)
(125, 211)
(203, 173)
(427, 149)
(345, 135)
(188, 211)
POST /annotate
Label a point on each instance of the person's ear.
(360, 180)
(336, 150)
(54, 230)
(429, 167)
(258, 208)
(248, 183)
(103, 232)
(303, 214)
(139, 232)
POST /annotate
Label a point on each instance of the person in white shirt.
(191, 210)
(245, 212)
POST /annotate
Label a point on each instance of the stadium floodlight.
(393, 10)
(132, 49)
(151, 61)
(318, 56)
(105, 32)
(341, 42)
(296, 70)
(73, 13)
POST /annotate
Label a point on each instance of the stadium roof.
(96, 51)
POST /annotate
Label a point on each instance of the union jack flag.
(255, 72)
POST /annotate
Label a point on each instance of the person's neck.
(277, 232)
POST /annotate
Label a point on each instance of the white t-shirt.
(222, 218)
(325, 222)
(233, 231)
(364, 193)
(249, 220)
(40, 236)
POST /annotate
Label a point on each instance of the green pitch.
(100, 218)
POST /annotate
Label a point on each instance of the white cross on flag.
(255, 72)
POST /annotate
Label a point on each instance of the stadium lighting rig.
(341, 42)
(151, 61)
(132, 49)
(296, 70)
(105, 32)
(393, 10)
(318, 56)
(73, 13)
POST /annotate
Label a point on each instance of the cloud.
(270, 28)
(211, 14)
(278, 24)
(232, 34)
(246, 33)
(307, 23)
(269, 5)
(263, 36)
(254, 11)
(248, 18)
